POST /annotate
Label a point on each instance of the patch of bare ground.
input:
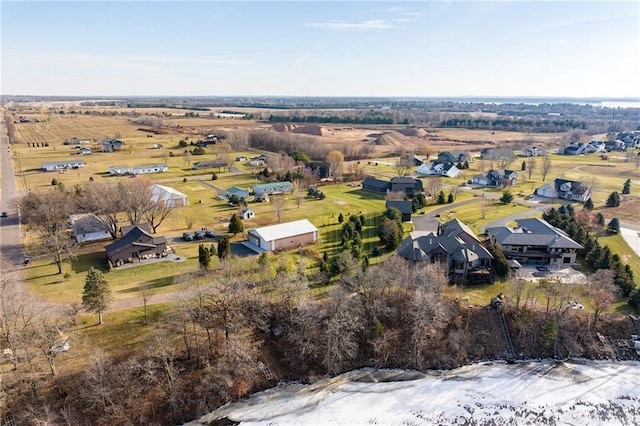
(627, 211)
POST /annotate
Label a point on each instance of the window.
(566, 260)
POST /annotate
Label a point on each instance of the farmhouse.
(112, 145)
(283, 235)
(566, 190)
(533, 151)
(408, 185)
(136, 244)
(272, 188)
(61, 165)
(88, 227)
(168, 196)
(405, 207)
(456, 247)
(535, 241)
(376, 185)
(436, 168)
(149, 168)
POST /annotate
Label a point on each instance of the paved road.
(10, 234)
(428, 222)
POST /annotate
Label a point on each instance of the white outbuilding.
(284, 235)
(170, 197)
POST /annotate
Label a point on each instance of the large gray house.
(456, 246)
(535, 241)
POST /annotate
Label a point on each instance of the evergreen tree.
(600, 219)
(626, 189)
(507, 197)
(204, 256)
(340, 218)
(466, 165)
(450, 198)
(214, 176)
(614, 199)
(523, 167)
(235, 225)
(415, 205)
(288, 177)
(212, 250)
(614, 226)
(390, 233)
(500, 263)
(441, 198)
(224, 248)
(422, 201)
(96, 293)
(395, 215)
(588, 205)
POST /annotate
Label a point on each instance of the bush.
(184, 180)
(54, 182)
(214, 176)
(183, 143)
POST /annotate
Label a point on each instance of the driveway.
(428, 222)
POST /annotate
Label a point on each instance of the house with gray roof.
(406, 184)
(453, 156)
(535, 242)
(498, 178)
(376, 185)
(87, 227)
(456, 247)
(136, 244)
(564, 189)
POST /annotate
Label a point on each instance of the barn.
(283, 235)
(169, 196)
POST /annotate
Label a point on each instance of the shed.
(248, 214)
(376, 185)
(284, 235)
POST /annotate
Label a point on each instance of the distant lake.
(620, 104)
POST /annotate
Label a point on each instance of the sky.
(321, 48)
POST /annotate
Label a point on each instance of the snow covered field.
(578, 392)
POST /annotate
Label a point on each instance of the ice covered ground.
(526, 393)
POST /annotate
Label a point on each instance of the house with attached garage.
(283, 235)
(241, 193)
(436, 168)
(273, 188)
(535, 242)
(135, 245)
(408, 185)
(453, 156)
(456, 247)
(498, 178)
(566, 190)
(61, 165)
(119, 170)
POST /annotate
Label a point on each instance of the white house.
(284, 235)
(168, 195)
(149, 168)
(248, 214)
(87, 227)
(119, 170)
(434, 168)
(61, 165)
(547, 190)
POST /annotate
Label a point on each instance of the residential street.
(10, 234)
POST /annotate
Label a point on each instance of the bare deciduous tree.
(279, 205)
(601, 292)
(531, 163)
(546, 166)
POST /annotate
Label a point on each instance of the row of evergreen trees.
(595, 254)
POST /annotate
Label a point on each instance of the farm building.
(211, 164)
(149, 168)
(407, 184)
(87, 227)
(61, 165)
(283, 235)
(135, 245)
(169, 196)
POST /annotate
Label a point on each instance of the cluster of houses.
(531, 242)
(623, 141)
